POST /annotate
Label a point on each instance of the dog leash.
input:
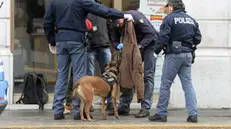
(117, 57)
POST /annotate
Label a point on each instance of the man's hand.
(155, 55)
(128, 17)
(120, 46)
(52, 49)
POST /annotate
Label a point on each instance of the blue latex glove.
(120, 46)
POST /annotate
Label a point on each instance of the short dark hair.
(176, 4)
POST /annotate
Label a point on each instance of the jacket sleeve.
(48, 23)
(197, 37)
(164, 35)
(147, 39)
(101, 10)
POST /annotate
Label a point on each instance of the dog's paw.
(91, 120)
(104, 118)
(117, 117)
(83, 119)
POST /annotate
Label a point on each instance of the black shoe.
(142, 114)
(158, 118)
(123, 111)
(59, 116)
(77, 116)
(192, 119)
(110, 109)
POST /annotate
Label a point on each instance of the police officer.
(146, 36)
(178, 34)
(69, 18)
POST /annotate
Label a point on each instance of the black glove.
(52, 41)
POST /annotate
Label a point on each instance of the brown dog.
(88, 86)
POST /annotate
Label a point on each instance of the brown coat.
(131, 70)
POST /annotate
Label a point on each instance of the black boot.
(192, 119)
(110, 109)
(142, 113)
(158, 118)
(124, 110)
(59, 116)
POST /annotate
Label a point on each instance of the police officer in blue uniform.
(146, 37)
(179, 33)
(68, 16)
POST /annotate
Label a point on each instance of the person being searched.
(146, 37)
(68, 16)
(178, 35)
(99, 49)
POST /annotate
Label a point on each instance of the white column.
(5, 42)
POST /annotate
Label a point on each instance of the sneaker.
(68, 109)
(158, 118)
(142, 114)
(59, 116)
(98, 102)
(192, 119)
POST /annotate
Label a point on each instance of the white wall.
(211, 71)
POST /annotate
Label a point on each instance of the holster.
(194, 54)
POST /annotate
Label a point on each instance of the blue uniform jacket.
(68, 16)
(178, 26)
(145, 32)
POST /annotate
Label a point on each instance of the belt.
(63, 28)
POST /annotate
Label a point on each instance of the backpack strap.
(44, 87)
(41, 106)
(24, 87)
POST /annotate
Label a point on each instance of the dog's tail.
(75, 92)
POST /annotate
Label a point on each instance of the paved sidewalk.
(176, 119)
